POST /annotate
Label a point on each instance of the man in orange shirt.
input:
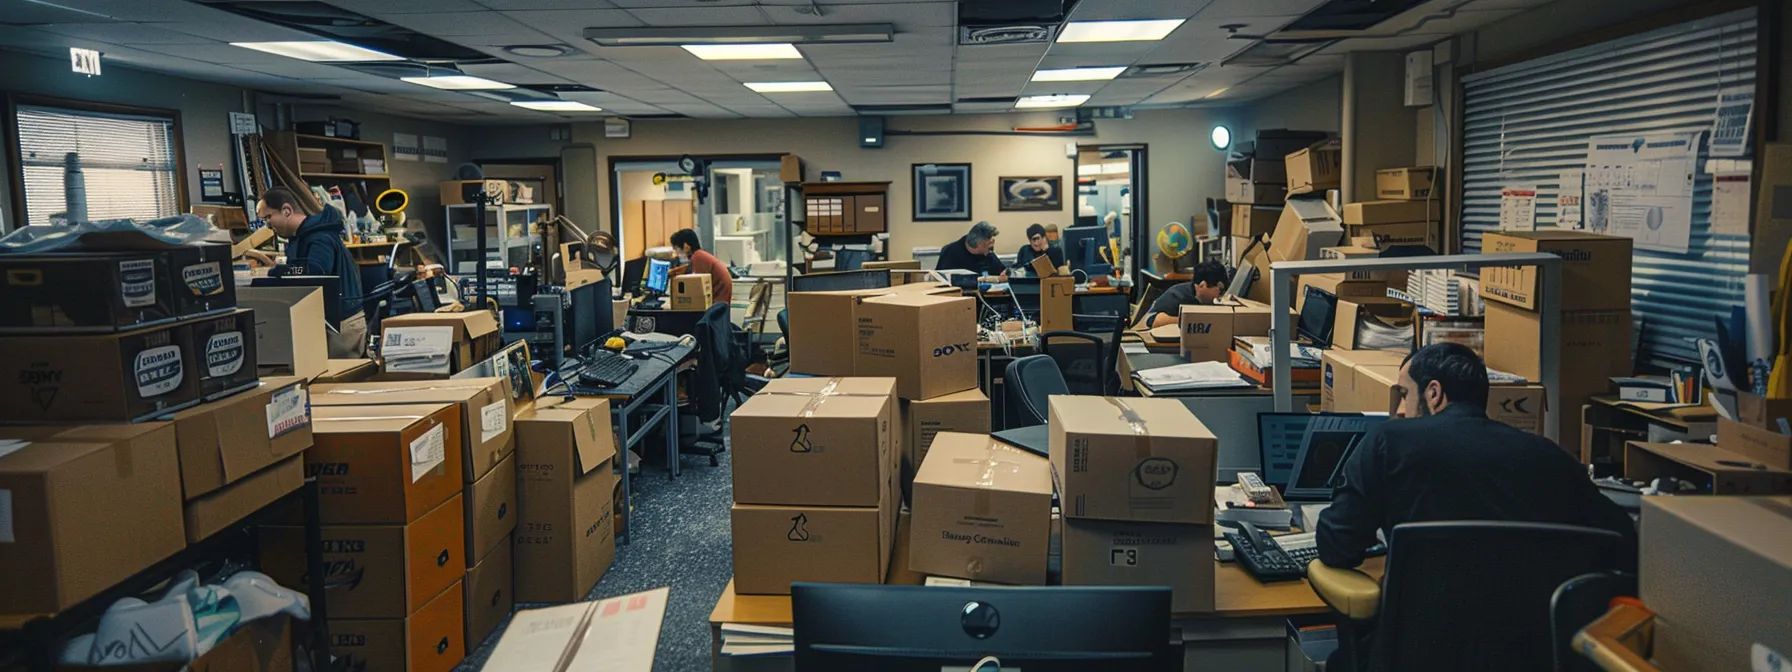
(696, 260)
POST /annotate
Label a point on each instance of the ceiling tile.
(129, 34)
(701, 16)
(1231, 9)
(512, 73)
(1379, 44)
(547, 4)
(568, 25)
(1463, 21)
(449, 24)
(384, 7)
(1109, 10)
(120, 10)
(903, 15)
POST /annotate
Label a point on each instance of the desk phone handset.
(1264, 558)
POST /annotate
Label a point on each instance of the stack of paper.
(1195, 376)
(1262, 353)
(748, 641)
(1436, 290)
(417, 349)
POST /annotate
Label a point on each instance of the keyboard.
(607, 369)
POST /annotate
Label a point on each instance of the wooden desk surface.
(1236, 594)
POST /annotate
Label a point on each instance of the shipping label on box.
(927, 343)
(1109, 553)
(822, 449)
(375, 571)
(982, 511)
(1132, 459)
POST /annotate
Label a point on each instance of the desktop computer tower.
(558, 323)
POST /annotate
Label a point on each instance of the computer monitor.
(589, 310)
(840, 280)
(331, 285)
(1302, 453)
(1082, 249)
(1241, 279)
(659, 276)
(872, 628)
(1317, 309)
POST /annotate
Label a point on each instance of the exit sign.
(84, 61)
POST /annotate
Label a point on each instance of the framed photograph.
(942, 192)
(1031, 193)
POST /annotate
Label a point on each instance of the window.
(129, 162)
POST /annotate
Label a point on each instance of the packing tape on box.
(370, 418)
(391, 390)
(1141, 437)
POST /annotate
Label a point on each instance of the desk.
(1150, 360)
(655, 379)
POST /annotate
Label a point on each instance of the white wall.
(417, 178)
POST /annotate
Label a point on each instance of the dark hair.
(1456, 368)
(1210, 272)
(684, 237)
(1035, 230)
(281, 197)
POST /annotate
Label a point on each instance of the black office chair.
(1027, 386)
(1578, 602)
(720, 370)
(1082, 360)
(849, 259)
(1461, 595)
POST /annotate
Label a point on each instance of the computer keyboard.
(607, 369)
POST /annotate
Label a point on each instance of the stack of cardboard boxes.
(1256, 171)
(1135, 482)
(566, 493)
(982, 511)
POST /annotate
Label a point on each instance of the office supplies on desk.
(1191, 376)
(607, 369)
(1267, 558)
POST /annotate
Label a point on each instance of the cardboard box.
(222, 509)
(1359, 381)
(376, 571)
(982, 510)
(1716, 571)
(1761, 445)
(1397, 277)
(1108, 553)
(96, 292)
(965, 412)
(1405, 183)
(1132, 459)
(453, 192)
(1306, 226)
(261, 645)
(226, 440)
(1241, 190)
(823, 333)
(289, 328)
(820, 449)
(1055, 301)
(1595, 344)
(83, 515)
(1595, 269)
(692, 291)
(1390, 212)
(927, 343)
(1521, 406)
(476, 336)
(1758, 411)
(225, 346)
(1718, 471)
(1350, 315)
(119, 377)
(1266, 169)
(1339, 285)
(489, 594)
(777, 545)
(565, 533)
(430, 640)
(491, 510)
(348, 371)
(620, 633)
(1384, 236)
(1250, 221)
(1316, 168)
(485, 411)
(384, 464)
(1207, 330)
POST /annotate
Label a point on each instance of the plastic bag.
(113, 234)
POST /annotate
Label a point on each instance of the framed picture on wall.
(942, 192)
(1030, 193)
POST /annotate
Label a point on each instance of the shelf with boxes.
(331, 159)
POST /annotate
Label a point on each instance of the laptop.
(1303, 453)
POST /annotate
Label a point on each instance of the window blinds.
(128, 163)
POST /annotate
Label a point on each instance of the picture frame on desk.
(941, 192)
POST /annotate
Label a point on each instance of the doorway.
(652, 197)
(1111, 185)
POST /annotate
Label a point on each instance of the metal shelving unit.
(508, 236)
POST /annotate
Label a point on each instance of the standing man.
(1038, 245)
(314, 247)
(974, 252)
(1208, 283)
(697, 260)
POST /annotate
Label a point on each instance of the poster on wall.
(1641, 187)
(435, 150)
(1568, 195)
(942, 192)
(1030, 193)
(1518, 208)
(1729, 127)
(406, 148)
(1729, 203)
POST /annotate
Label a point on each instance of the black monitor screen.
(1316, 310)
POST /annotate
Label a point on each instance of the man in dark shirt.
(1207, 284)
(974, 252)
(1441, 458)
(1037, 246)
(314, 247)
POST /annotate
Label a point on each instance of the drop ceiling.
(921, 66)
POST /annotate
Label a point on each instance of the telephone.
(1269, 559)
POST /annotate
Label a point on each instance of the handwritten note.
(494, 418)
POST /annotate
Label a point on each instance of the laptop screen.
(1283, 438)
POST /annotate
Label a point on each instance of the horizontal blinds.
(127, 162)
(1524, 124)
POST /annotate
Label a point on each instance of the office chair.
(1081, 360)
(1577, 603)
(848, 259)
(1027, 386)
(719, 378)
(1461, 595)
(779, 359)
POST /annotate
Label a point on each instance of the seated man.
(1038, 245)
(314, 247)
(1207, 284)
(974, 252)
(696, 260)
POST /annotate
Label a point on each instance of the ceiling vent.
(1164, 70)
(1021, 34)
(983, 22)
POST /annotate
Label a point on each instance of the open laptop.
(1303, 454)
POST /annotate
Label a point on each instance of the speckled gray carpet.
(681, 539)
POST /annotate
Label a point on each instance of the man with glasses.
(1038, 245)
(314, 247)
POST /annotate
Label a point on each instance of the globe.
(1173, 240)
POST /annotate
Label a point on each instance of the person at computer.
(314, 247)
(975, 251)
(1206, 284)
(695, 259)
(1037, 246)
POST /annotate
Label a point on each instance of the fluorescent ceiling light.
(1052, 100)
(744, 52)
(789, 87)
(1149, 30)
(1078, 74)
(319, 51)
(556, 106)
(740, 35)
(459, 83)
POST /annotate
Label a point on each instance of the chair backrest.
(1576, 604)
(1475, 595)
(784, 322)
(1027, 386)
(1081, 358)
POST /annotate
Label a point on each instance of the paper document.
(1641, 187)
(417, 349)
(1518, 208)
(1193, 376)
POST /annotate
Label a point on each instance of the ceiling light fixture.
(1051, 100)
(1149, 30)
(1217, 92)
(459, 83)
(538, 50)
(319, 51)
(789, 87)
(1078, 74)
(1221, 137)
(744, 52)
(741, 35)
(556, 106)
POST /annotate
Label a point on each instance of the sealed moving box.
(1594, 346)
(823, 335)
(565, 533)
(1208, 330)
(1132, 459)
(1359, 381)
(226, 440)
(225, 346)
(824, 448)
(1716, 571)
(982, 511)
(118, 377)
(475, 336)
(966, 412)
(219, 510)
(288, 321)
(485, 411)
(927, 343)
(692, 291)
(777, 545)
(384, 464)
(1109, 553)
(1595, 269)
(489, 595)
(430, 640)
(1405, 183)
(375, 571)
(491, 510)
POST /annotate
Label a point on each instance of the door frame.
(1141, 181)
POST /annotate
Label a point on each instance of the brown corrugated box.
(375, 571)
(491, 509)
(1717, 572)
(1351, 314)
(1339, 285)
(100, 377)
(489, 596)
(430, 640)
(1595, 269)
(226, 440)
(1207, 330)
(982, 510)
(692, 291)
(1359, 381)
(83, 516)
(1109, 553)
(476, 335)
(1315, 168)
(923, 419)
(1762, 445)
(1596, 346)
(823, 333)
(485, 411)
(777, 545)
(289, 322)
(812, 450)
(1249, 221)
(1056, 297)
(1758, 411)
(1405, 183)
(1521, 406)
(384, 464)
(1132, 459)
(1390, 212)
(927, 343)
(218, 510)
(1306, 226)
(1363, 252)
(1389, 235)
(565, 534)
(1720, 471)
(348, 371)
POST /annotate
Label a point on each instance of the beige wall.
(1308, 107)
(1379, 130)
(417, 178)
